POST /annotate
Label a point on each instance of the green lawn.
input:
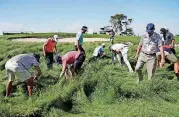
(102, 90)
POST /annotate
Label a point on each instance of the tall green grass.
(101, 90)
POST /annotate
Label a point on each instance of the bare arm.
(63, 69)
(77, 44)
(37, 68)
(162, 56)
(138, 49)
(55, 49)
(44, 48)
(173, 43)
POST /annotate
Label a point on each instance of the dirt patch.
(64, 40)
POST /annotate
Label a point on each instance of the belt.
(150, 54)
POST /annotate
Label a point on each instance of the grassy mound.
(101, 90)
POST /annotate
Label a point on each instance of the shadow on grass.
(89, 88)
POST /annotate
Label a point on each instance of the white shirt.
(118, 46)
(21, 62)
(98, 51)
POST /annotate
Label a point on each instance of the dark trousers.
(79, 61)
(49, 59)
(94, 58)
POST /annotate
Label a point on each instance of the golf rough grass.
(101, 90)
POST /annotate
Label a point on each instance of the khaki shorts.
(171, 57)
(23, 75)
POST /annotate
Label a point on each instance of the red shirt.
(50, 46)
(69, 58)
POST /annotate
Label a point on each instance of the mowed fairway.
(101, 90)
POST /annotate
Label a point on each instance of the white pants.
(125, 57)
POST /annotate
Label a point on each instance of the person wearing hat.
(79, 43)
(98, 53)
(147, 48)
(111, 36)
(169, 41)
(121, 50)
(20, 66)
(68, 61)
(49, 48)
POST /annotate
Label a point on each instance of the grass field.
(101, 90)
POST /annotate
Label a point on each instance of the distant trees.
(121, 24)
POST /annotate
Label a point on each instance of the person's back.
(70, 57)
(50, 46)
(98, 50)
(168, 37)
(118, 46)
(22, 61)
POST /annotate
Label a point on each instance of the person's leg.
(77, 66)
(51, 59)
(125, 57)
(140, 63)
(26, 76)
(172, 58)
(151, 67)
(119, 56)
(30, 83)
(92, 59)
(158, 55)
(72, 72)
(11, 78)
(48, 59)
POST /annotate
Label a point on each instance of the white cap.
(166, 28)
(55, 38)
(103, 44)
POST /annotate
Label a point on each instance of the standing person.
(20, 66)
(98, 53)
(121, 51)
(68, 61)
(79, 43)
(49, 48)
(169, 41)
(111, 36)
(147, 47)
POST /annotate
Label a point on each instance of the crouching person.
(121, 51)
(20, 66)
(69, 61)
(98, 53)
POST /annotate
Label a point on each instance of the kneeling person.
(121, 51)
(20, 66)
(70, 59)
(98, 53)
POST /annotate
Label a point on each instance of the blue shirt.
(98, 51)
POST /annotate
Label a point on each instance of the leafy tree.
(119, 21)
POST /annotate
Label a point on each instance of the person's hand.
(162, 63)
(35, 78)
(136, 57)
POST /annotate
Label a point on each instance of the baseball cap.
(84, 28)
(55, 38)
(150, 27)
(166, 28)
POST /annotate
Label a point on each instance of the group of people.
(150, 50)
